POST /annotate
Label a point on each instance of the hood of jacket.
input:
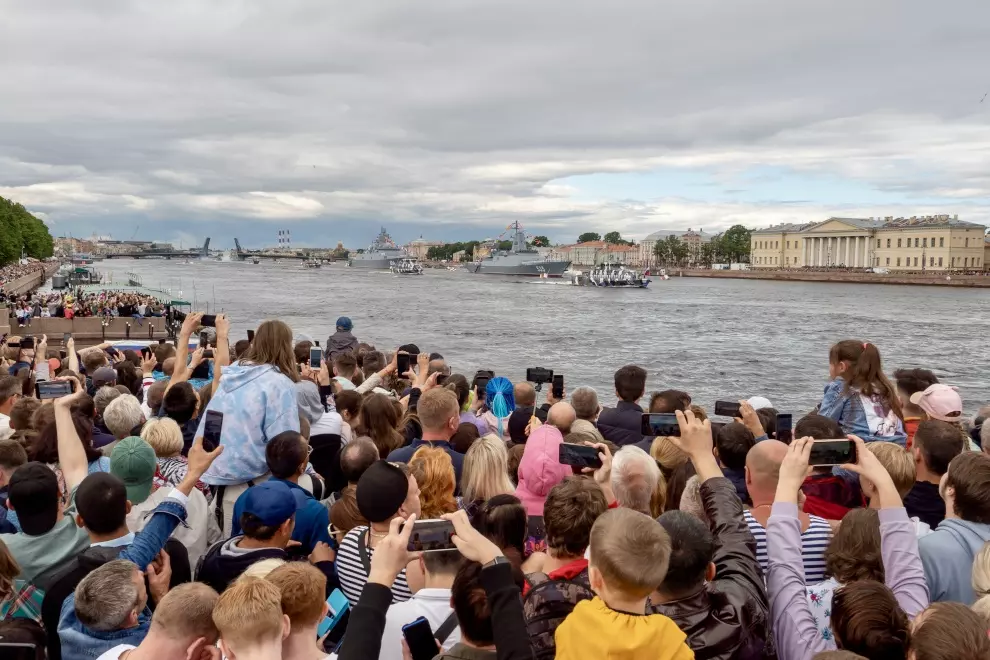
(969, 535)
(593, 630)
(225, 562)
(539, 469)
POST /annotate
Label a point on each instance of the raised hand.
(190, 324)
(793, 470)
(473, 544)
(200, 460)
(392, 552)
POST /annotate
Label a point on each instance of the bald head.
(562, 416)
(763, 466)
(524, 394)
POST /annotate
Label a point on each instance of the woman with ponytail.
(859, 396)
(500, 401)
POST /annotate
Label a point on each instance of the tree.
(541, 241)
(735, 243)
(589, 236)
(19, 229)
(614, 238)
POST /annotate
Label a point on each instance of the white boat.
(312, 263)
(613, 275)
(255, 260)
(406, 266)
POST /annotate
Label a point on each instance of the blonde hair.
(261, 569)
(273, 345)
(898, 462)
(631, 550)
(164, 436)
(185, 612)
(303, 589)
(667, 454)
(434, 472)
(981, 573)
(486, 469)
(436, 407)
(248, 613)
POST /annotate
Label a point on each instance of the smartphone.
(208, 354)
(728, 409)
(315, 357)
(337, 606)
(785, 432)
(660, 424)
(557, 389)
(209, 321)
(145, 352)
(403, 361)
(111, 351)
(18, 651)
(579, 456)
(431, 536)
(481, 382)
(204, 339)
(832, 452)
(52, 389)
(66, 336)
(716, 427)
(161, 341)
(250, 335)
(212, 428)
(539, 375)
(419, 637)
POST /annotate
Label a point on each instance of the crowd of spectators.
(76, 303)
(145, 517)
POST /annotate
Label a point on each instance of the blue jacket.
(860, 415)
(258, 403)
(622, 425)
(947, 556)
(312, 518)
(405, 454)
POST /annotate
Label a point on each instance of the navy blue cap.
(345, 324)
(271, 502)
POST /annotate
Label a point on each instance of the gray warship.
(380, 255)
(520, 260)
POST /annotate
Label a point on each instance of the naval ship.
(520, 260)
(380, 255)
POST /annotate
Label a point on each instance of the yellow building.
(938, 242)
(420, 247)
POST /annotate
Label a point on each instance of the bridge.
(164, 254)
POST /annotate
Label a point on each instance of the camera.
(539, 375)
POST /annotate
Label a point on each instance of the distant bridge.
(164, 254)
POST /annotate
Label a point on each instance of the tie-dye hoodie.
(257, 403)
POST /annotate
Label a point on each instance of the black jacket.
(728, 618)
(519, 420)
(622, 424)
(219, 570)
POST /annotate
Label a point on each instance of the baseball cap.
(759, 402)
(271, 502)
(104, 375)
(35, 495)
(381, 490)
(941, 402)
(344, 324)
(133, 461)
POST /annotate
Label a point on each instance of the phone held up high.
(315, 357)
(557, 388)
(212, 428)
(660, 424)
(402, 361)
(419, 637)
(250, 335)
(539, 375)
(579, 456)
(832, 452)
(52, 389)
(728, 409)
(209, 321)
(785, 429)
(431, 536)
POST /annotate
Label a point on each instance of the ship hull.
(382, 263)
(534, 269)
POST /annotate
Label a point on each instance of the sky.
(451, 119)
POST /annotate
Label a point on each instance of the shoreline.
(957, 280)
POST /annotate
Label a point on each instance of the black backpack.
(547, 604)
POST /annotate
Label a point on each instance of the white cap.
(759, 402)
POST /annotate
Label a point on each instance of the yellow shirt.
(593, 630)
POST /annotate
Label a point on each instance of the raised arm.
(71, 455)
(182, 348)
(71, 356)
(41, 369)
(221, 354)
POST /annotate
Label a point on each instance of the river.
(715, 338)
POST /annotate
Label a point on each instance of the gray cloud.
(448, 112)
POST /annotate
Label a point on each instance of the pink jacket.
(539, 470)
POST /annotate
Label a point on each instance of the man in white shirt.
(431, 602)
(10, 392)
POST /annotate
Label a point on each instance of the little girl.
(859, 396)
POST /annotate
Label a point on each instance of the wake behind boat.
(406, 266)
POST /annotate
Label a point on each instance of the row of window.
(964, 262)
(918, 242)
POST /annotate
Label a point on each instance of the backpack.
(547, 604)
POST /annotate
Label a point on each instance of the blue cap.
(271, 502)
(344, 324)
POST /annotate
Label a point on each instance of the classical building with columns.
(936, 242)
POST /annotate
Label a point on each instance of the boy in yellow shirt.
(629, 556)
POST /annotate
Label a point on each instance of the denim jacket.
(857, 414)
(80, 642)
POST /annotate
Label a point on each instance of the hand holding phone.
(52, 389)
(832, 452)
(212, 429)
(660, 424)
(581, 456)
(315, 357)
(431, 536)
(420, 640)
(557, 389)
(337, 606)
(785, 431)
(402, 363)
(728, 409)
(208, 321)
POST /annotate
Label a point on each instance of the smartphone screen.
(337, 606)
(539, 375)
(66, 336)
(785, 429)
(204, 339)
(419, 637)
(52, 389)
(209, 321)
(728, 409)
(832, 452)
(431, 536)
(212, 428)
(402, 359)
(557, 388)
(579, 456)
(482, 385)
(660, 424)
(250, 335)
(315, 357)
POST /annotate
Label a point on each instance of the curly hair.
(854, 553)
(434, 472)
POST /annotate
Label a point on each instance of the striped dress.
(814, 540)
(351, 571)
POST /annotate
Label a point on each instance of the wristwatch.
(495, 562)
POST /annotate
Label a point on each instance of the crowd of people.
(15, 271)
(273, 510)
(76, 303)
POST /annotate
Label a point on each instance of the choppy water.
(713, 338)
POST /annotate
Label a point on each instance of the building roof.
(929, 221)
(664, 233)
(789, 228)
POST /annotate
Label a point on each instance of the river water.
(715, 338)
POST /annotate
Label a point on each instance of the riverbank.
(30, 282)
(955, 280)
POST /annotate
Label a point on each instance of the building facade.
(419, 247)
(693, 239)
(937, 242)
(592, 253)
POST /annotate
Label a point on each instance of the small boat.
(406, 266)
(312, 263)
(255, 260)
(612, 275)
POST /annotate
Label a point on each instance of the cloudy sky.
(452, 118)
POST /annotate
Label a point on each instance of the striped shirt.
(353, 577)
(814, 540)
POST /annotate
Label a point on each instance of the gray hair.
(635, 476)
(585, 402)
(122, 415)
(985, 435)
(103, 397)
(106, 597)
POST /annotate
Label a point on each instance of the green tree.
(19, 229)
(589, 236)
(735, 243)
(614, 238)
(541, 241)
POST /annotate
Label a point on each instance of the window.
(776, 245)
(898, 259)
(967, 242)
(953, 262)
(916, 262)
(878, 242)
(941, 241)
(924, 242)
(898, 242)
(940, 262)
(915, 243)
(933, 241)
(931, 261)
(888, 261)
(966, 261)
(888, 243)
(787, 260)
(976, 262)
